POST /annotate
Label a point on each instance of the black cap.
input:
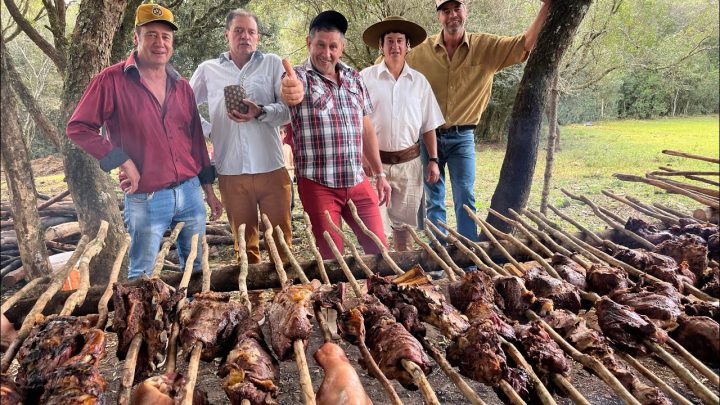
(330, 19)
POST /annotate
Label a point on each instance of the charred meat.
(604, 279)
(388, 293)
(512, 297)
(9, 392)
(166, 389)
(542, 351)
(710, 282)
(473, 286)
(658, 301)
(210, 319)
(146, 309)
(289, 317)
(647, 231)
(570, 271)
(701, 336)
(478, 354)
(250, 371)
(563, 294)
(625, 327)
(687, 248)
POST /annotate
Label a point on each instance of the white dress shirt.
(250, 147)
(404, 108)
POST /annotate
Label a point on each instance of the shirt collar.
(225, 56)
(131, 65)
(341, 67)
(439, 40)
(406, 71)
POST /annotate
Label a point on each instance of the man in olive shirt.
(460, 67)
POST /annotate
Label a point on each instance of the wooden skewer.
(545, 237)
(712, 193)
(347, 242)
(429, 233)
(517, 225)
(128, 371)
(22, 293)
(298, 345)
(314, 249)
(58, 279)
(670, 211)
(699, 366)
(371, 235)
(434, 256)
(666, 171)
(668, 221)
(194, 362)
(114, 273)
(92, 249)
(543, 394)
(652, 208)
(572, 392)
(242, 277)
(561, 237)
(291, 258)
(615, 225)
(469, 253)
(654, 379)
(690, 156)
(418, 378)
(669, 187)
(509, 391)
(518, 268)
(476, 247)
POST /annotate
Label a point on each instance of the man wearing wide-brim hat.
(154, 136)
(405, 109)
(460, 67)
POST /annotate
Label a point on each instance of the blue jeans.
(456, 150)
(148, 215)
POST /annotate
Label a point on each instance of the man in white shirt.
(405, 108)
(248, 151)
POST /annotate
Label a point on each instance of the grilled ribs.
(148, 309)
(250, 371)
(604, 279)
(701, 336)
(570, 271)
(658, 301)
(53, 345)
(625, 327)
(563, 294)
(211, 319)
(289, 317)
(576, 331)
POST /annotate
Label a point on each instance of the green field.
(590, 155)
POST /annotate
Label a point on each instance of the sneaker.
(436, 275)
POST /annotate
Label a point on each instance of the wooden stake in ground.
(114, 273)
(31, 318)
(242, 278)
(314, 249)
(668, 221)
(371, 235)
(92, 249)
(194, 362)
(347, 242)
(470, 244)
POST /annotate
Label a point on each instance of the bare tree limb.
(48, 49)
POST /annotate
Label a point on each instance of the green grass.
(591, 154)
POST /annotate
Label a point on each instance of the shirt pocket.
(259, 89)
(322, 99)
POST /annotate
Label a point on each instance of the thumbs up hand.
(291, 89)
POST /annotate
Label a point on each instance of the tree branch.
(45, 46)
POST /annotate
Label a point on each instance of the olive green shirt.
(462, 86)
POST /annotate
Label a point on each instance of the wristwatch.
(433, 159)
(262, 112)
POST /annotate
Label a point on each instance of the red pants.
(317, 199)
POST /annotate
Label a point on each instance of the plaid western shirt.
(328, 125)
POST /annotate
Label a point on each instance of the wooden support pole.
(509, 392)
(383, 249)
(314, 248)
(702, 392)
(572, 392)
(291, 258)
(128, 370)
(542, 392)
(114, 273)
(464, 249)
(697, 364)
(58, 279)
(712, 193)
(169, 241)
(92, 249)
(430, 233)
(22, 293)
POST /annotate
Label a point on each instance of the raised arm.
(533, 30)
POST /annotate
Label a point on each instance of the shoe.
(436, 275)
(468, 269)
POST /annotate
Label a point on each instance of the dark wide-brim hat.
(413, 32)
(330, 19)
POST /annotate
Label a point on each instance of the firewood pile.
(540, 302)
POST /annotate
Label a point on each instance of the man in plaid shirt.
(332, 132)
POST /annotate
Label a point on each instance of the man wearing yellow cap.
(154, 135)
(460, 67)
(405, 109)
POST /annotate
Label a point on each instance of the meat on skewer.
(603, 279)
(211, 319)
(250, 371)
(9, 392)
(569, 270)
(289, 317)
(658, 301)
(563, 294)
(341, 384)
(687, 248)
(165, 389)
(701, 336)
(627, 328)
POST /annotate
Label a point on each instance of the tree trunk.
(21, 184)
(91, 188)
(518, 167)
(122, 43)
(551, 144)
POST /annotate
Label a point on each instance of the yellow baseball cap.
(147, 13)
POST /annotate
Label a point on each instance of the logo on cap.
(157, 11)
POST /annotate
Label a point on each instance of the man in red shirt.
(153, 133)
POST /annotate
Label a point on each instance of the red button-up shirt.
(165, 142)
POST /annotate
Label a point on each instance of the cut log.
(62, 231)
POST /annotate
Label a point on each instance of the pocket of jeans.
(140, 198)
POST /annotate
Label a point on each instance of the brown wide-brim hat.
(413, 32)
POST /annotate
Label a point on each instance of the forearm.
(430, 141)
(277, 114)
(533, 30)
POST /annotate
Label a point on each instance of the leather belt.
(455, 128)
(401, 156)
(177, 184)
